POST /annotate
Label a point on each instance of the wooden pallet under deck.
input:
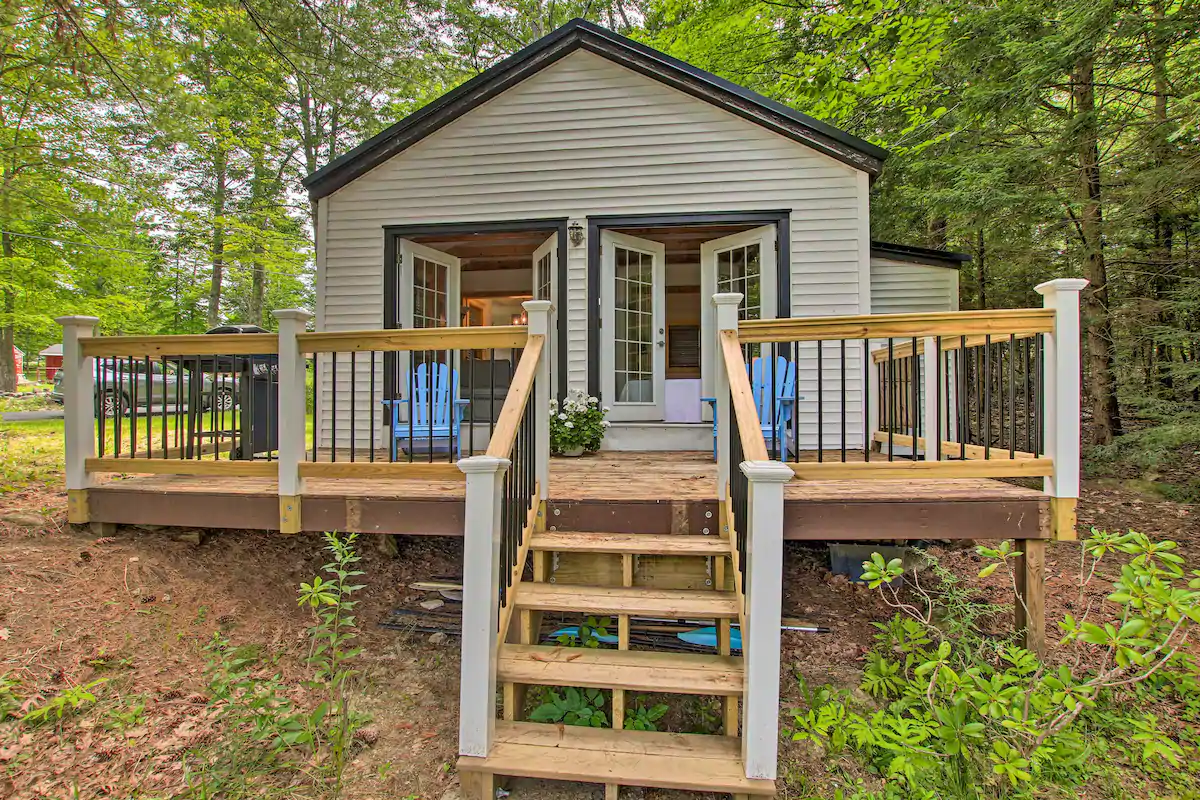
(634, 492)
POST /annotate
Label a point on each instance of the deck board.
(609, 491)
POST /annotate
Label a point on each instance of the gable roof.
(579, 34)
(919, 255)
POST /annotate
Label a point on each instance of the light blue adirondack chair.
(774, 414)
(437, 412)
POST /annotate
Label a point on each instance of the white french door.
(545, 287)
(742, 262)
(429, 296)
(633, 360)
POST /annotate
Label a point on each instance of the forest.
(151, 151)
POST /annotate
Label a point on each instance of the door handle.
(661, 343)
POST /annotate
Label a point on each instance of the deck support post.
(79, 413)
(292, 397)
(726, 304)
(481, 592)
(933, 426)
(537, 312)
(764, 599)
(1060, 365)
(1031, 593)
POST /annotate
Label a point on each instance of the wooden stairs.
(615, 756)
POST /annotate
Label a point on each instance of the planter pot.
(574, 452)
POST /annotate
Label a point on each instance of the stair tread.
(693, 762)
(633, 670)
(676, 603)
(636, 543)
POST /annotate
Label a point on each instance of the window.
(683, 351)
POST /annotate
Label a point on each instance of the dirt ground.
(137, 610)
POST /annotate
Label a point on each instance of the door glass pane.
(430, 294)
(542, 290)
(633, 319)
(739, 269)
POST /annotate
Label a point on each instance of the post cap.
(477, 465)
(292, 313)
(727, 298)
(532, 306)
(1061, 285)
(767, 471)
(77, 321)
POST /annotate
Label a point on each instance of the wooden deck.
(632, 492)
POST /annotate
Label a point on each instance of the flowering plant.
(578, 422)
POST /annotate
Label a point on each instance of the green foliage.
(264, 732)
(68, 701)
(964, 721)
(582, 707)
(10, 699)
(579, 422)
(588, 635)
(642, 717)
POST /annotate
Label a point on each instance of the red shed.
(53, 357)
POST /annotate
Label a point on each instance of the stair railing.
(506, 490)
(750, 488)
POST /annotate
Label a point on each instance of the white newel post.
(79, 413)
(727, 320)
(1060, 379)
(538, 314)
(932, 425)
(292, 411)
(764, 599)
(481, 603)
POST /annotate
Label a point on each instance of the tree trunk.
(981, 268)
(259, 190)
(1101, 374)
(1164, 280)
(8, 360)
(221, 170)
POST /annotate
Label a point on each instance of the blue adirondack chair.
(436, 410)
(774, 414)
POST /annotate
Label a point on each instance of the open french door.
(633, 358)
(743, 262)
(545, 287)
(429, 296)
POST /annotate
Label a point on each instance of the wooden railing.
(506, 492)
(268, 405)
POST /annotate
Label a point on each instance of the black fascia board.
(919, 255)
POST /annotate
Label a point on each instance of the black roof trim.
(581, 34)
(919, 255)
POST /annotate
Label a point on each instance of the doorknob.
(661, 343)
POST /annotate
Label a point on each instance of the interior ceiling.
(495, 251)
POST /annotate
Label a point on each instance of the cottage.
(592, 215)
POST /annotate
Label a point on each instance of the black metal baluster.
(866, 406)
(1012, 395)
(133, 413)
(162, 368)
(987, 396)
(101, 373)
(914, 412)
(963, 408)
(353, 403)
(316, 398)
(371, 406)
(935, 436)
(891, 399)
(412, 406)
(820, 404)
(452, 405)
(430, 366)
(333, 408)
(469, 392)
(842, 376)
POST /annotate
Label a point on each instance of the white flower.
(593, 400)
(605, 424)
(562, 416)
(570, 424)
(606, 409)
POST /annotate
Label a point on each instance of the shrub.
(579, 422)
(967, 716)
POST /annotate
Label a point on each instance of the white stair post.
(538, 314)
(79, 413)
(1060, 379)
(481, 603)
(292, 411)
(764, 599)
(727, 304)
(930, 362)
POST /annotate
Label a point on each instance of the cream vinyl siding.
(586, 137)
(900, 287)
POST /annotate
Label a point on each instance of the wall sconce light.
(575, 231)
